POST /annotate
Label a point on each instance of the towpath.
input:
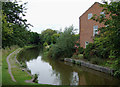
(9, 66)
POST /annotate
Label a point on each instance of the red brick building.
(88, 27)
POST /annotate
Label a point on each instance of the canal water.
(55, 72)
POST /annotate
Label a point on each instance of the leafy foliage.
(89, 52)
(49, 36)
(64, 46)
(14, 29)
(15, 13)
(7, 30)
(108, 44)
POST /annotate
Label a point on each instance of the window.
(95, 30)
(89, 15)
(86, 43)
(102, 13)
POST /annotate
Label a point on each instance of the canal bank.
(23, 65)
(56, 72)
(19, 74)
(90, 65)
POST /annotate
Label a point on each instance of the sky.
(56, 14)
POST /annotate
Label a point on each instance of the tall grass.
(7, 50)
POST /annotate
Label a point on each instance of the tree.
(7, 31)
(34, 38)
(14, 29)
(64, 46)
(54, 38)
(47, 36)
(15, 13)
(109, 38)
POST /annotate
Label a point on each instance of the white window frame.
(95, 30)
(89, 15)
(86, 43)
(102, 13)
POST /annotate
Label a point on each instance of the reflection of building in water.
(75, 78)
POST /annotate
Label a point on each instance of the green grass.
(6, 79)
(19, 75)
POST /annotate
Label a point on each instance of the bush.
(73, 61)
(35, 78)
(80, 56)
(80, 50)
(64, 46)
(89, 52)
(75, 56)
(97, 61)
(78, 63)
(45, 44)
(102, 52)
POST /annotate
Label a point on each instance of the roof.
(90, 8)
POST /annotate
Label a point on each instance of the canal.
(56, 72)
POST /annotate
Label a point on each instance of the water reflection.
(60, 73)
(28, 54)
(44, 71)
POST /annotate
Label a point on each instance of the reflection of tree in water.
(69, 74)
(76, 75)
(65, 73)
(28, 54)
(98, 78)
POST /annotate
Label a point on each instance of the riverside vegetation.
(19, 75)
(16, 71)
(104, 51)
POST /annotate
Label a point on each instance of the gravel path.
(9, 66)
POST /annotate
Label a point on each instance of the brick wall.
(86, 25)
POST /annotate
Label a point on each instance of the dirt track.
(9, 66)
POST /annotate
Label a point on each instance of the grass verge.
(19, 75)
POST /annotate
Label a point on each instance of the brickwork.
(86, 25)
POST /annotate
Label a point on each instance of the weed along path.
(9, 66)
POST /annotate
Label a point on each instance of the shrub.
(64, 46)
(73, 61)
(23, 64)
(80, 56)
(45, 44)
(88, 51)
(97, 61)
(80, 50)
(75, 56)
(35, 78)
(78, 62)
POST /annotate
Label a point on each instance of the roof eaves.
(89, 8)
